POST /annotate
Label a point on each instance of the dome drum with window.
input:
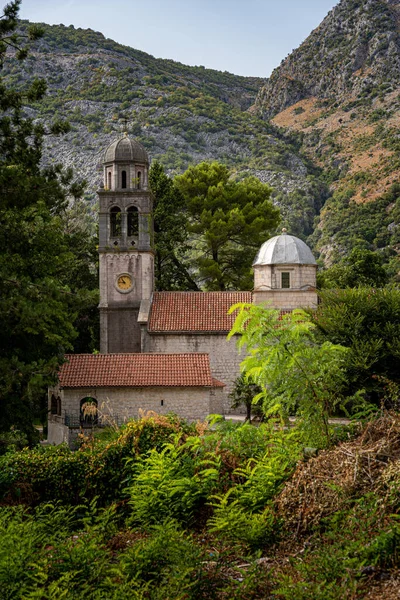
(285, 273)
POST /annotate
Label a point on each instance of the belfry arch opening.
(133, 221)
(139, 180)
(109, 180)
(115, 221)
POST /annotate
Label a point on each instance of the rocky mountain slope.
(181, 115)
(340, 89)
(354, 53)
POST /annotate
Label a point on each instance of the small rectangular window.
(285, 280)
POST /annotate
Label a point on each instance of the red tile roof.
(137, 370)
(194, 311)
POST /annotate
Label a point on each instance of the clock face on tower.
(124, 282)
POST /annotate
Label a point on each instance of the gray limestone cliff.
(356, 37)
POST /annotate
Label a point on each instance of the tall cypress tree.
(170, 233)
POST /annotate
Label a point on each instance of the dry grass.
(319, 487)
(388, 589)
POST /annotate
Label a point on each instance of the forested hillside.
(340, 89)
(326, 118)
(182, 115)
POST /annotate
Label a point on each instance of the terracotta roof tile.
(137, 370)
(217, 383)
(194, 311)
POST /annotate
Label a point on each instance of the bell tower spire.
(126, 253)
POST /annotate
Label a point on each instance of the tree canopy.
(361, 268)
(228, 222)
(170, 233)
(298, 374)
(40, 272)
(367, 321)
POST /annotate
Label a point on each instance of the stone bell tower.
(125, 245)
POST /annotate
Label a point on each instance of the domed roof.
(284, 249)
(126, 150)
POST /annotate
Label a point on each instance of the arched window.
(115, 221)
(58, 405)
(88, 411)
(133, 221)
(53, 405)
(123, 179)
(109, 180)
(139, 180)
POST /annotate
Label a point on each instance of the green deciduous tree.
(243, 394)
(367, 321)
(360, 268)
(39, 287)
(81, 235)
(229, 220)
(36, 310)
(297, 374)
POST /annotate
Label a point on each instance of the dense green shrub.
(221, 485)
(232, 523)
(367, 322)
(353, 544)
(96, 469)
(170, 483)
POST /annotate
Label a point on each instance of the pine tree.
(228, 220)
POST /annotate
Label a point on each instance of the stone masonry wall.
(119, 329)
(224, 356)
(58, 433)
(188, 403)
(269, 276)
(286, 299)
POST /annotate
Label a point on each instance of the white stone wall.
(141, 268)
(286, 299)
(58, 433)
(269, 276)
(224, 355)
(189, 403)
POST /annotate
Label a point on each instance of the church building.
(161, 351)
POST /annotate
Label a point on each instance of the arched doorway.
(88, 411)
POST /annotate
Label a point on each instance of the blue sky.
(246, 37)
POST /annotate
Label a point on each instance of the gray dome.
(284, 249)
(126, 150)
